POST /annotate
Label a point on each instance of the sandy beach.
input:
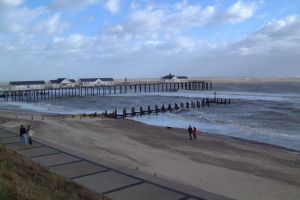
(230, 167)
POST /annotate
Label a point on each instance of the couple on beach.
(192, 131)
(26, 135)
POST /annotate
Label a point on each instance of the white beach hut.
(26, 85)
(95, 81)
(106, 81)
(62, 83)
(88, 82)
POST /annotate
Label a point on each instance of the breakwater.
(205, 102)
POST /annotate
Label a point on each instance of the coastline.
(221, 164)
(27, 115)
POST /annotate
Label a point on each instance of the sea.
(262, 111)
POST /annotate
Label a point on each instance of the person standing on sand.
(23, 135)
(190, 131)
(194, 133)
(30, 133)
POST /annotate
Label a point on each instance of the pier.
(118, 88)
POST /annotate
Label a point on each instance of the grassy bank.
(22, 179)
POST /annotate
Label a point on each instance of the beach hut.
(180, 78)
(106, 81)
(26, 85)
(89, 82)
(95, 81)
(62, 83)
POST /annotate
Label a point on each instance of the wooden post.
(141, 111)
(116, 114)
(163, 109)
(169, 107)
(132, 112)
(124, 113)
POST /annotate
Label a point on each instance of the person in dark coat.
(194, 133)
(190, 130)
(23, 135)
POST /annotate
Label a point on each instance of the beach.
(231, 167)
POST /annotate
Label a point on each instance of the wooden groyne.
(54, 93)
(137, 111)
(205, 102)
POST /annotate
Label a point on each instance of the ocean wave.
(219, 94)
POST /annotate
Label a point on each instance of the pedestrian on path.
(30, 133)
(23, 135)
(190, 131)
(194, 133)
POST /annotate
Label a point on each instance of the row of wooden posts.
(205, 102)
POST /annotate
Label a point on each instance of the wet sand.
(230, 167)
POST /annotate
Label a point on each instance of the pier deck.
(119, 88)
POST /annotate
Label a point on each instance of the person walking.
(194, 133)
(30, 133)
(190, 130)
(23, 135)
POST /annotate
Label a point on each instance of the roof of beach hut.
(26, 82)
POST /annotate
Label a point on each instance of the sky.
(48, 39)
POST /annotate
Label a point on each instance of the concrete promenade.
(101, 176)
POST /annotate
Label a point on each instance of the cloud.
(72, 5)
(277, 37)
(113, 6)
(150, 19)
(10, 3)
(238, 12)
(17, 20)
(23, 23)
(52, 25)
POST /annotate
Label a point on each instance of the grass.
(21, 179)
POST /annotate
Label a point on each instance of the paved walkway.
(103, 177)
